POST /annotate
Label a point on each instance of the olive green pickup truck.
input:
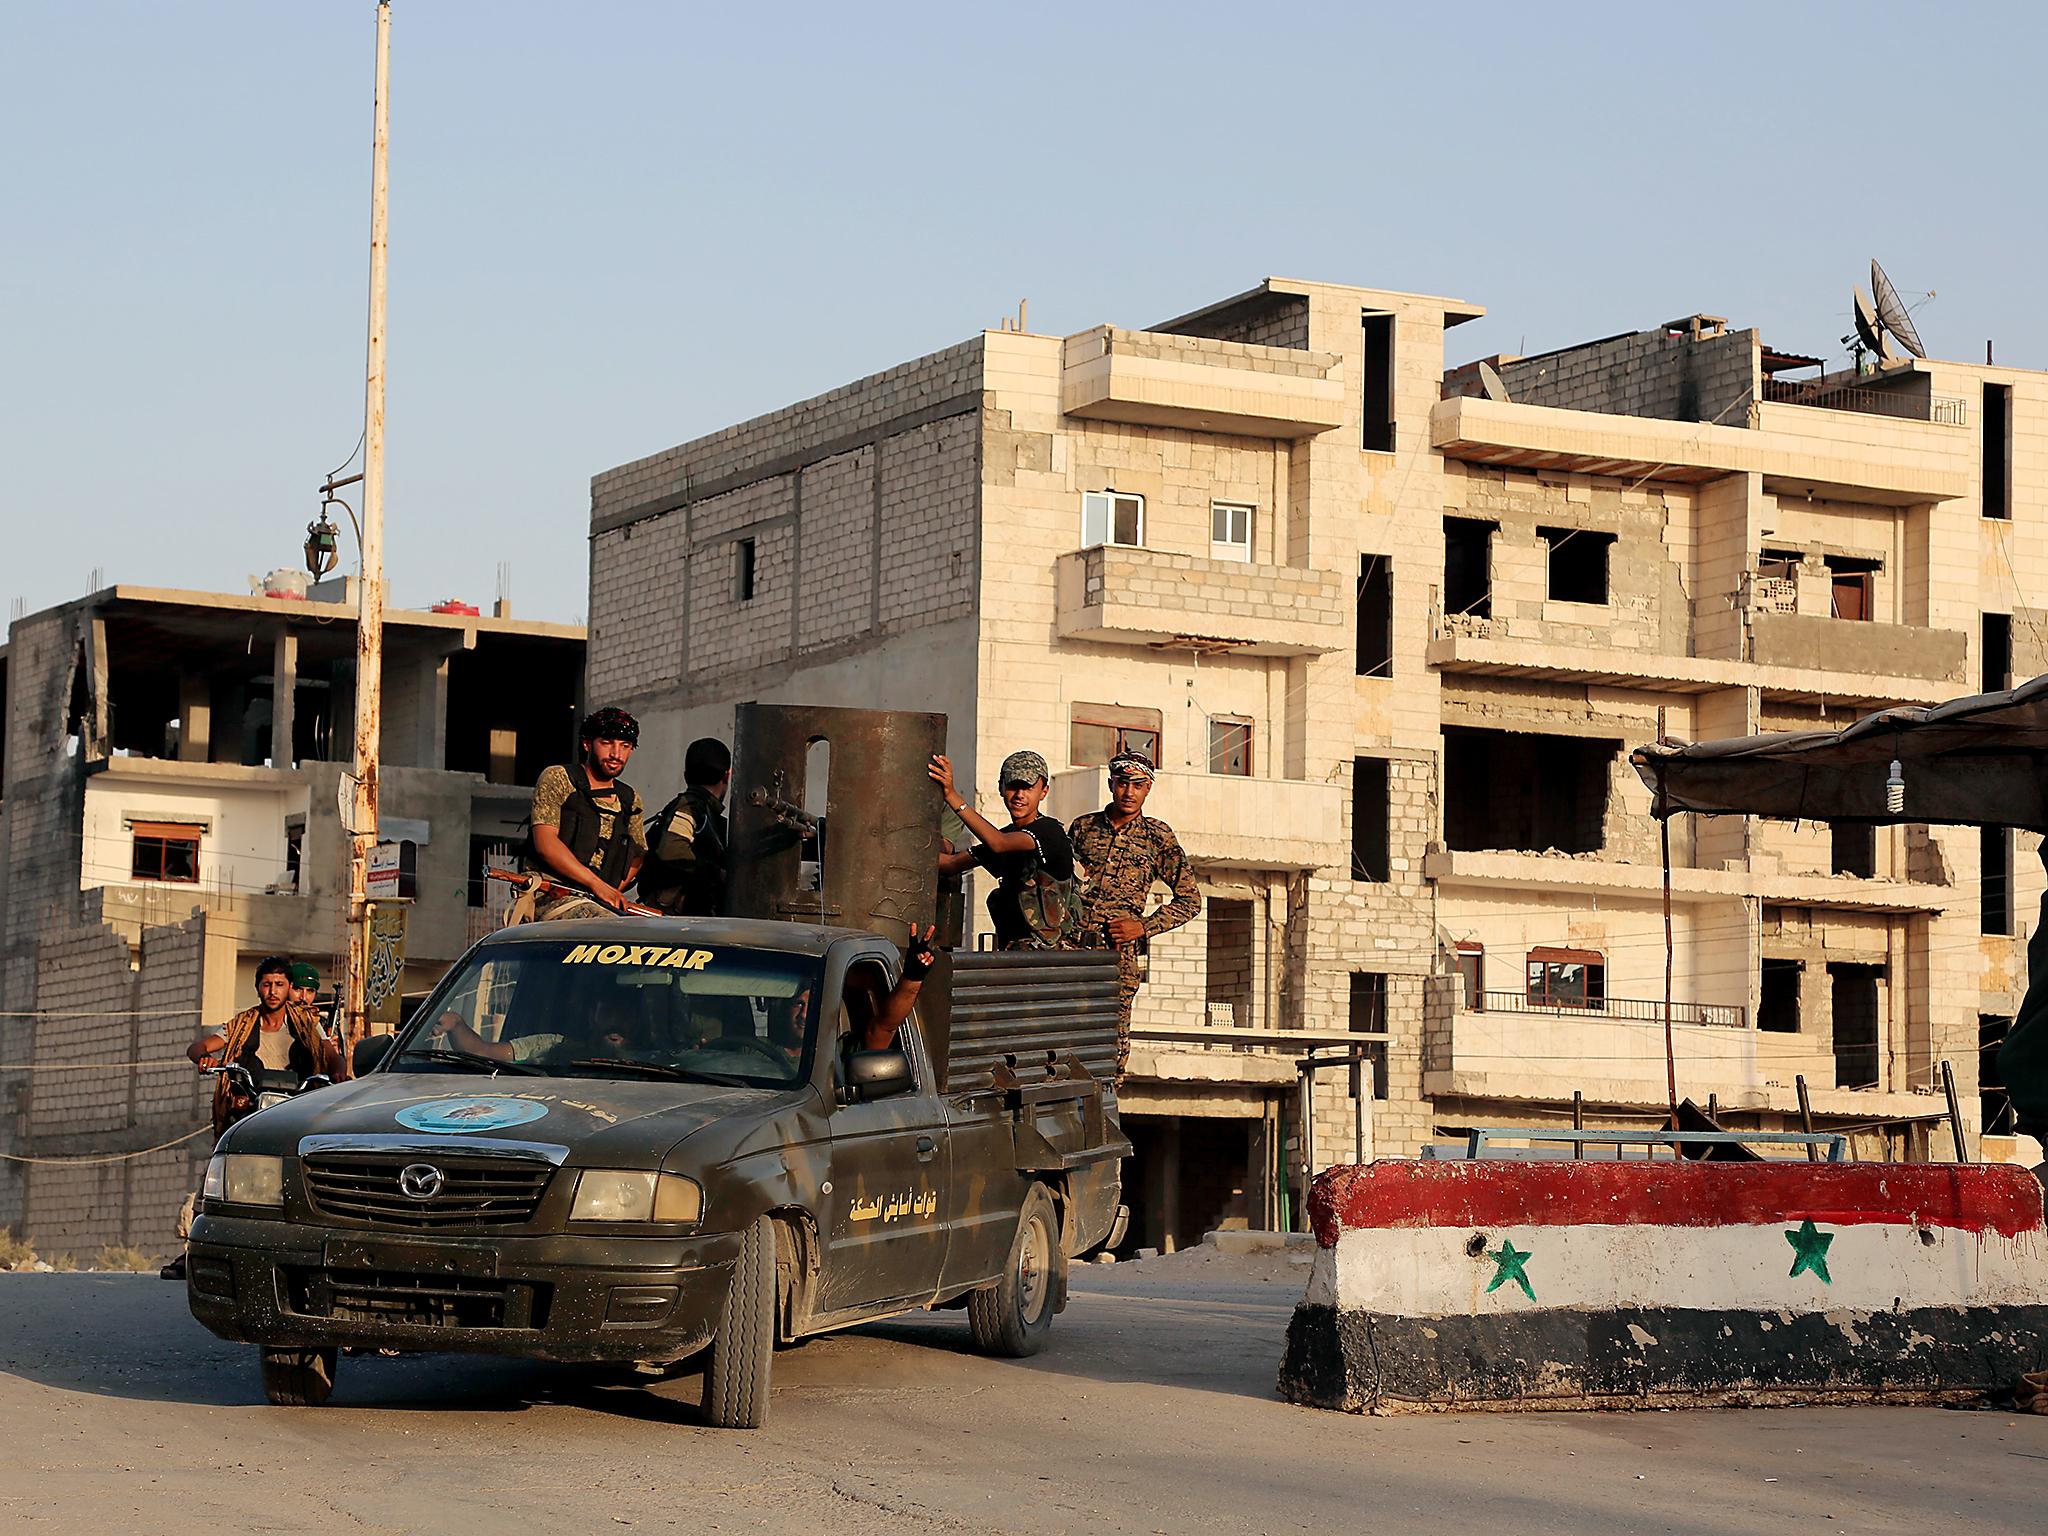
(651, 1140)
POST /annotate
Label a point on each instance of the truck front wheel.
(1013, 1316)
(298, 1378)
(743, 1348)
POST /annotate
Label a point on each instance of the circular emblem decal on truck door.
(447, 1117)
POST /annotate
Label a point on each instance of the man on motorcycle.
(278, 1043)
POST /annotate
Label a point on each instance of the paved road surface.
(1151, 1411)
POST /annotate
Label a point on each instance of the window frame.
(746, 558)
(165, 834)
(1593, 998)
(1232, 549)
(1472, 952)
(1119, 718)
(1242, 723)
(1108, 497)
(1555, 539)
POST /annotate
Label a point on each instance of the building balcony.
(1118, 595)
(1577, 874)
(1492, 648)
(1150, 379)
(1797, 450)
(1228, 822)
(1855, 646)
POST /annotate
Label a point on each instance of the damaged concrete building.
(168, 817)
(1389, 630)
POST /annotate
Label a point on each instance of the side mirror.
(370, 1050)
(872, 1075)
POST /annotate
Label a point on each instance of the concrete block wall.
(1261, 319)
(1671, 378)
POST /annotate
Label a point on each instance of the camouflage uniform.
(1122, 864)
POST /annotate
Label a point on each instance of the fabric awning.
(1973, 761)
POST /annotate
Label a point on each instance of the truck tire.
(1012, 1317)
(743, 1346)
(298, 1378)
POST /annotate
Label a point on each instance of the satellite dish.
(1891, 311)
(1490, 380)
(1866, 323)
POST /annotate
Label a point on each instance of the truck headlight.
(617, 1194)
(244, 1178)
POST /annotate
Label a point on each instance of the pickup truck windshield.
(714, 1014)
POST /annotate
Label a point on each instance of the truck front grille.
(473, 1192)
(421, 1301)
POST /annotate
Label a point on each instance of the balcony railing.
(1947, 410)
(1650, 1010)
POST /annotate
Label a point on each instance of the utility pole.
(362, 820)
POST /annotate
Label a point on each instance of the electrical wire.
(96, 1162)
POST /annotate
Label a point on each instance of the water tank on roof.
(455, 605)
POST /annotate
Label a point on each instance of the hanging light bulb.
(1895, 790)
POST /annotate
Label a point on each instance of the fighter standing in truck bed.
(1123, 852)
(587, 827)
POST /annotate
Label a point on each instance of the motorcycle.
(245, 1098)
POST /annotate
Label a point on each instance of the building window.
(1112, 517)
(1368, 1002)
(1472, 967)
(1376, 384)
(1369, 815)
(1230, 530)
(1777, 1008)
(1375, 616)
(1230, 745)
(743, 570)
(1997, 493)
(1853, 849)
(1468, 567)
(1849, 587)
(1994, 880)
(1376, 1063)
(1578, 564)
(1995, 1104)
(1855, 1016)
(294, 853)
(1996, 646)
(1567, 978)
(1100, 731)
(166, 850)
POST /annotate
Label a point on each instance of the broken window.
(166, 850)
(1578, 564)
(1997, 492)
(1855, 1016)
(1567, 978)
(1849, 587)
(1472, 967)
(1377, 384)
(295, 851)
(1995, 644)
(1112, 517)
(743, 570)
(1100, 731)
(1368, 1002)
(1852, 849)
(1375, 616)
(1231, 978)
(1468, 567)
(1994, 880)
(1230, 745)
(1777, 1008)
(1510, 790)
(1369, 815)
(1995, 1104)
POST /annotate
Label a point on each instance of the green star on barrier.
(1810, 1249)
(1508, 1264)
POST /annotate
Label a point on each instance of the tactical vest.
(581, 817)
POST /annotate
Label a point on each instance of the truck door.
(891, 1174)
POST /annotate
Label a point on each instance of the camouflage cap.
(1130, 765)
(1023, 768)
(304, 974)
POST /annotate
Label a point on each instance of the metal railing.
(1832, 1144)
(1644, 1009)
(1947, 410)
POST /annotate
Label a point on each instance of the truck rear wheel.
(743, 1347)
(298, 1378)
(1013, 1316)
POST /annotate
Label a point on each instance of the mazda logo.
(420, 1181)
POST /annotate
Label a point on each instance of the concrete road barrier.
(1462, 1285)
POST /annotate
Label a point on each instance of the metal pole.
(1805, 1116)
(1308, 1128)
(1955, 1111)
(370, 616)
(1578, 1122)
(1358, 1107)
(1664, 841)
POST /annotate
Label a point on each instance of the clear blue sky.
(615, 226)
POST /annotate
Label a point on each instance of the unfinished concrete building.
(168, 817)
(1389, 639)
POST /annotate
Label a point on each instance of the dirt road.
(1152, 1410)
